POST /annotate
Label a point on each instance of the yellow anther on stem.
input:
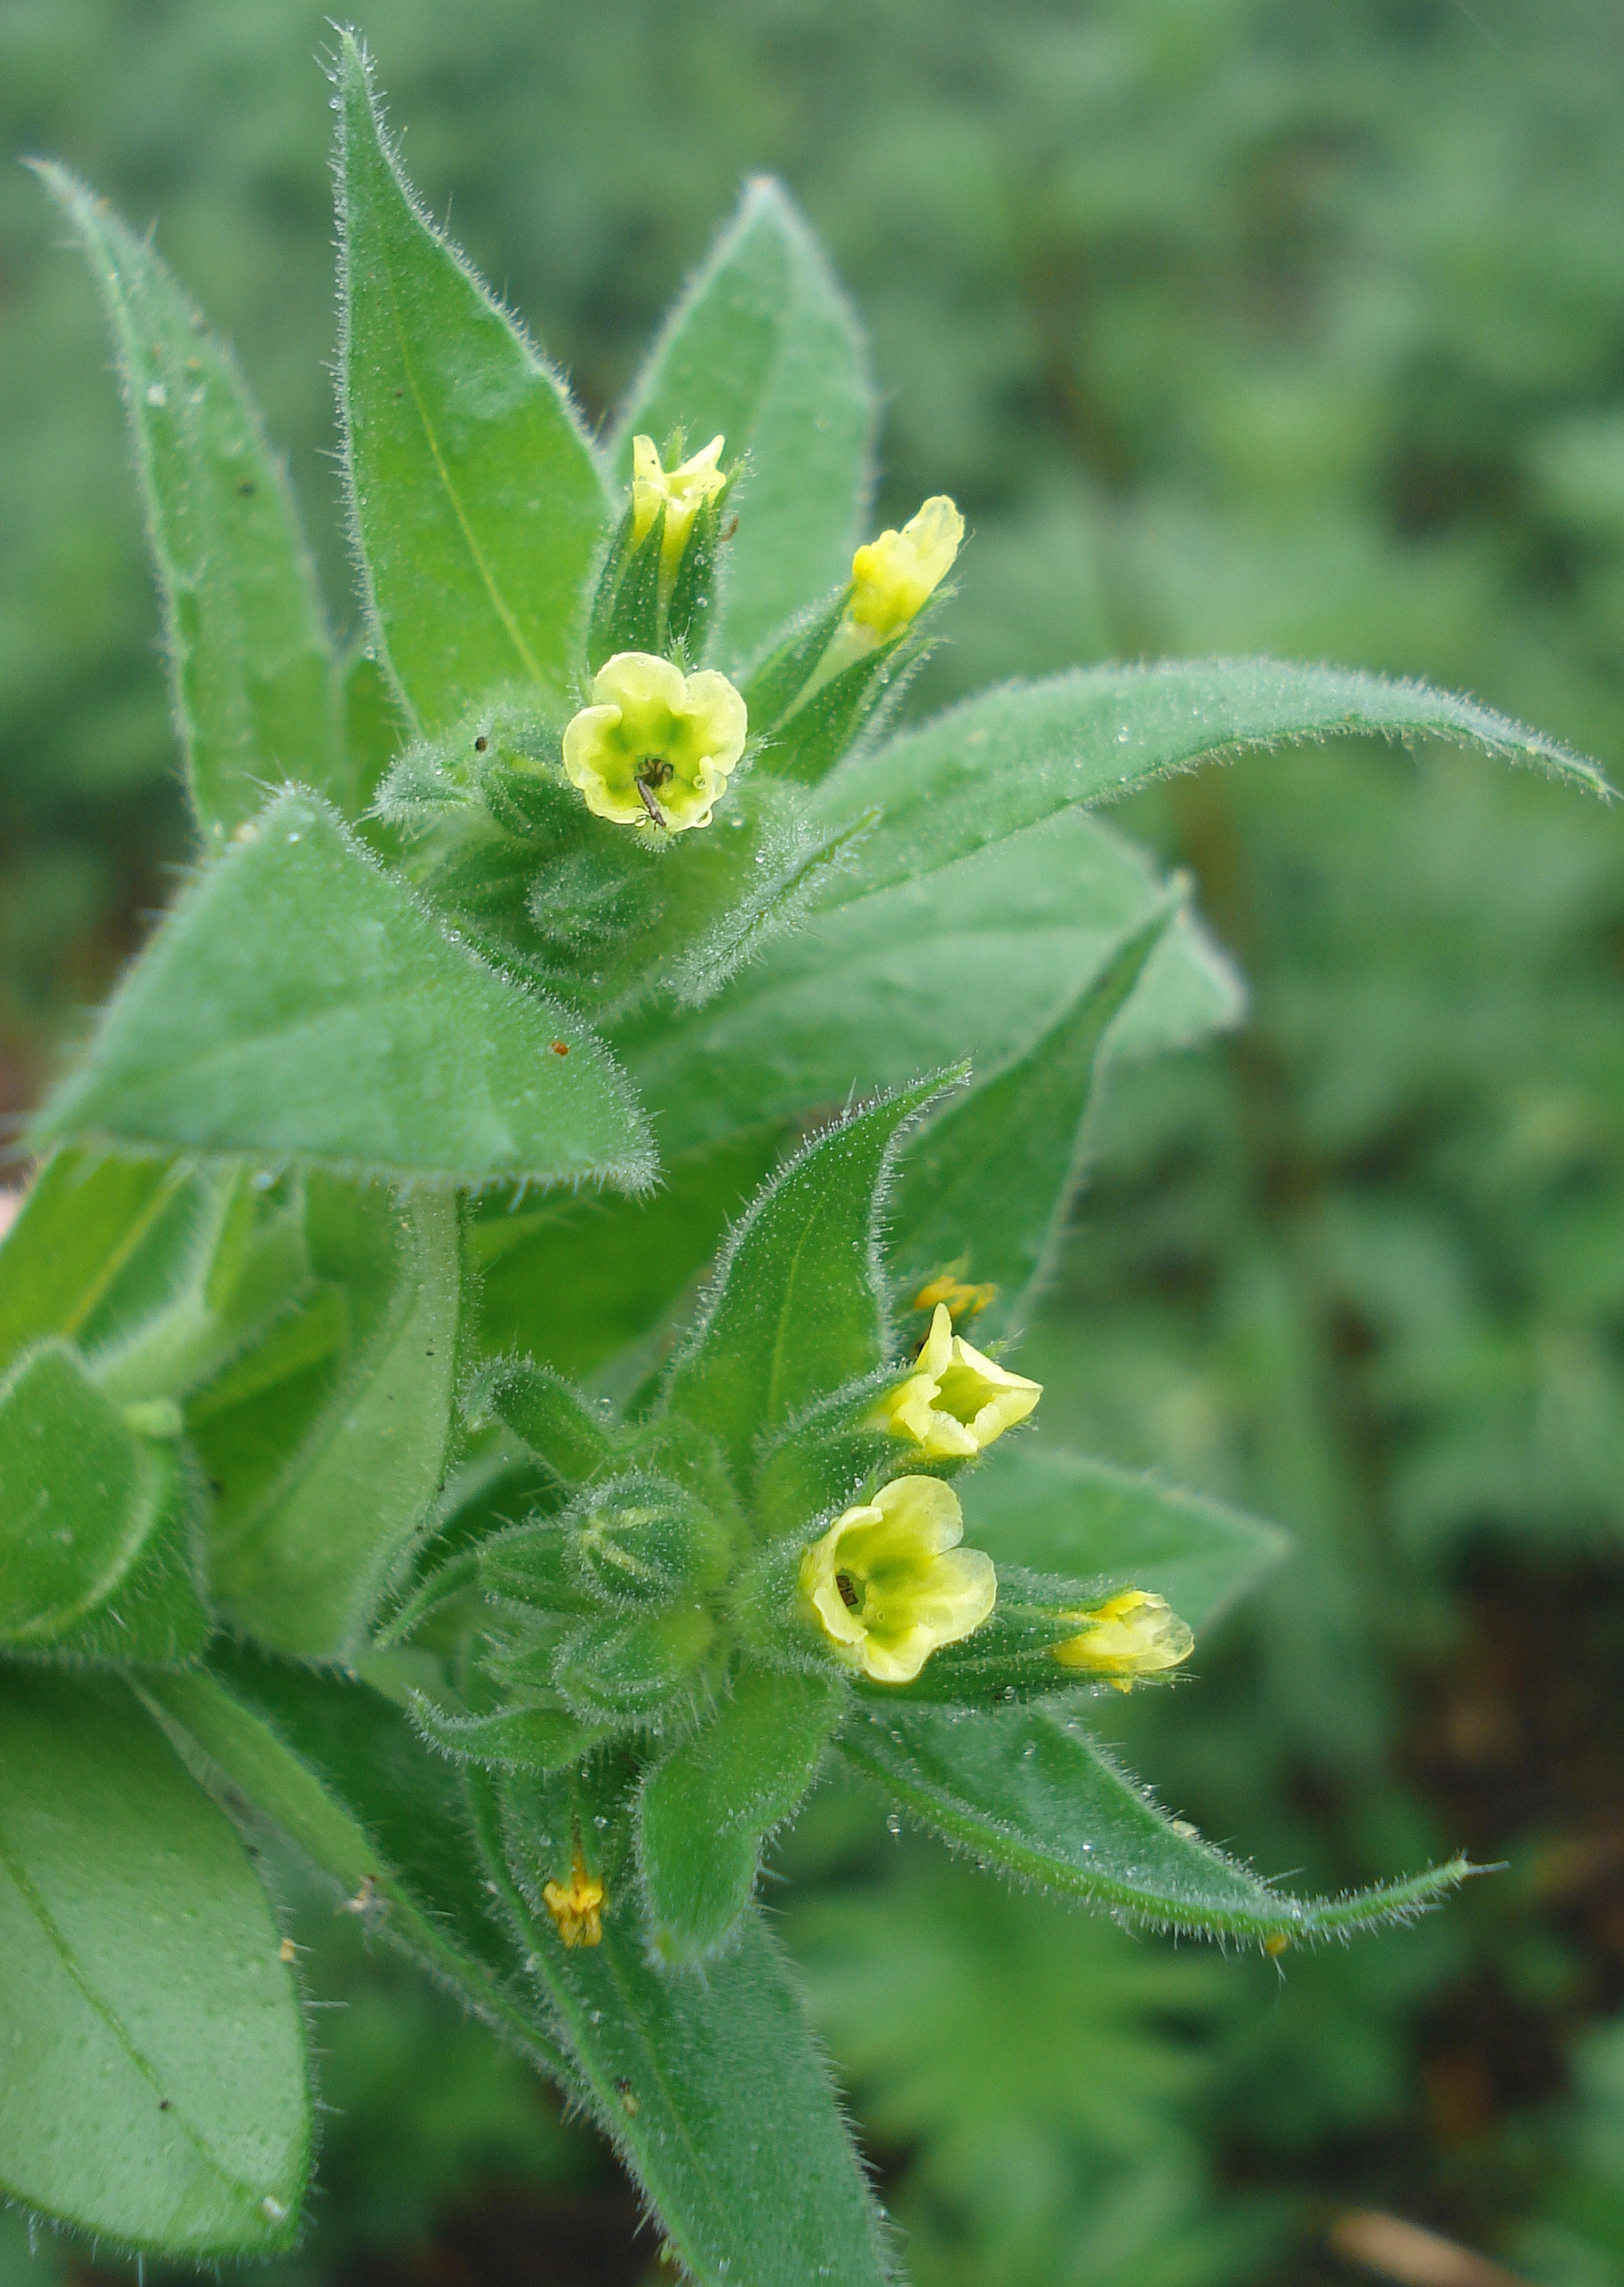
(1130, 1635)
(953, 1402)
(577, 1907)
(681, 492)
(888, 1583)
(655, 746)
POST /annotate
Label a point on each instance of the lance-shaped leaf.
(1021, 753)
(987, 1183)
(705, 1811)
(1031, 1793)
(297, 1003)
(250, 660)
(304, 1557)
(478, 506)
(798, 1307)
(714, 2090)
(1036, 1505)
(84, 1220)
(337, 1769)
(980, 960)
(155, 2088)
(764, 350)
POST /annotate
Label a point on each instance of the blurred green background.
(1291, 325)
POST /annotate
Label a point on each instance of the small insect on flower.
(1130, 1635)
(888, 1583)
(953, 1402)
(576, 1906)
(655, 746)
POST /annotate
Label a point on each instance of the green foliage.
(534, 1679)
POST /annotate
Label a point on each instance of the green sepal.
(778, 680)
(537, 1738)
(530, 1569)
(554, 1421)
(822, 1461)
(797, 1308)
(704, 1811)
(690, 609)
(644, 1667)
(638, 1540)
(1030, 1793)
(809, 743)
(625, 614)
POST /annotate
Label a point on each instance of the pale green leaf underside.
(1053, 1511)
(155, 2087)
(764, 350)
(1030, 1793)
(979, 960)
(1018, 755)
(717, 2098)
(478, 505)
(297, 1003)
(251, 659)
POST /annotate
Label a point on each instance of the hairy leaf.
(298, 1003)
(1021, 753)
(478, 506)
(155, 2088)
(1030, 1793)
(250, 660)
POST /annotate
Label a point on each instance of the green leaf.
(305, 1562)
(339, 1771)
(1020, 754)
(1030, 1793)
(979, 960)
(797, 1308)
(82, 1498)
(297, 1003)
(705, 1811)
(155, 2089)
(250, 660)
(714, 2091)
(478, 506)
(989, 1182)
(764, 350)
(1053, 1511)
(84, 1219)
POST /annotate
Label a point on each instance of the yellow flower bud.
(895, 576)
(1131, 1635)
(681, 492)
(576, 1906)
(888, 1583)
(655, 746)
(953, 1402)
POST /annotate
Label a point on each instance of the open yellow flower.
(953, 1402)
(681, 492)
(888, 1583)
(1131, 1635)
(655, 746)
(895, 576)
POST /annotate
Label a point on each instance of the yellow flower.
(1131, 1635)
(888, 1583)
(576, 1906)
(953, 1402)
(962, 1302)
(681, 492)
(655, 746)
(895, 576)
